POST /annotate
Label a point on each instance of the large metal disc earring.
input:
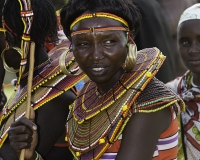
(7, 68)
(131, 57)
(70, 68)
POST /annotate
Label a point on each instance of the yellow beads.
(162, 56)
(66, 139)
(101, 141)
(78, 154)
(99, 14)
(157, 109)
(149, 74)
(80, 122)
(124, 108)
(70, 107)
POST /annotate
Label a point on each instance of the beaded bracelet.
(38, 156)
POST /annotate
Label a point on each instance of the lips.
(98, 70)
(194, 61)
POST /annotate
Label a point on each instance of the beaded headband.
(98, 14)
(26, 14)
(93, 29)
(101, 15)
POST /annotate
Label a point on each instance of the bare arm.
(51, 120)
(142, 133)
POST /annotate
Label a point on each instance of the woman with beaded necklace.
(123, 112)
(26, 21)
(188, 85)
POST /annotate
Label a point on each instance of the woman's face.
(100, 54)
(189, 44)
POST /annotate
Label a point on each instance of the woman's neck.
(106, 86)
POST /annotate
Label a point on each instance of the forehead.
(189, 27)
(96, 22)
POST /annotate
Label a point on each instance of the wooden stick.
(29, 87)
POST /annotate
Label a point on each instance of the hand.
(3, 99)
(23, 135)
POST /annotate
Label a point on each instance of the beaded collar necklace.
(95, 122)
(37, 68)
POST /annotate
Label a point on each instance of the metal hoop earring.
(73, 68)
(131, 57)
(7, 68)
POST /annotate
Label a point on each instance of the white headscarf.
(190, 13)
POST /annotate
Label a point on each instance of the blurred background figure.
(172, 10)
(154, 32)
(158, 29)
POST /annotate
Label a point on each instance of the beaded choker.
(95, 122)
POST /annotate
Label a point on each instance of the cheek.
(183, 51)
(80, 59)
(119, 52)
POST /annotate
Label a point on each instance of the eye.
(184, 42)
(109, 42)
(82, 44)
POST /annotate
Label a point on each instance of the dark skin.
(3, 98)
(189, 47)
(49, 119)
(101, 56)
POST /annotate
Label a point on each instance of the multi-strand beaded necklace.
(96, 121)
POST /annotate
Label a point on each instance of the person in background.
(52, 91)
(172, 11)
(154, 32)
(188, 85)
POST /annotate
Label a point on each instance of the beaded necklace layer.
(49, 84)
(96, 121)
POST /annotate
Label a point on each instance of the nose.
(195, 48)
(96, 53)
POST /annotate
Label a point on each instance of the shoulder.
(155, 94)
(143, 128)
